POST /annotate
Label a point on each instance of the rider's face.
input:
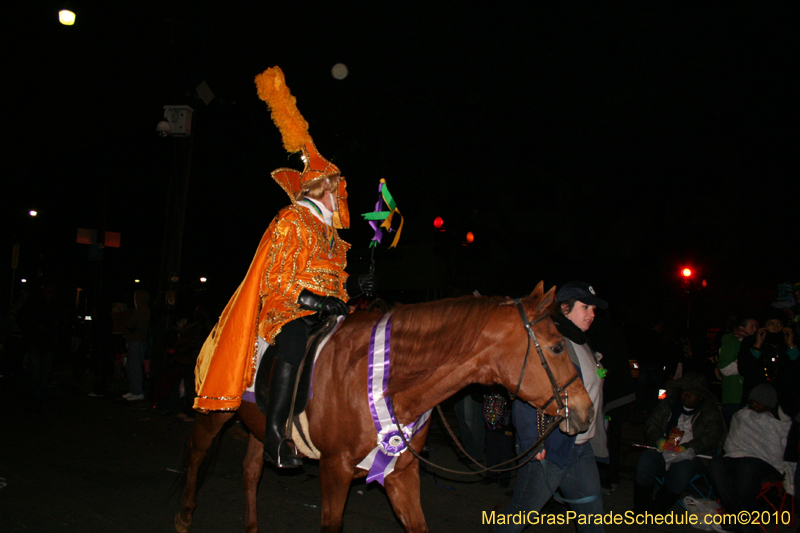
(329, 201)
(582, 315)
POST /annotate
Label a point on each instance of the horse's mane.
(428, 335)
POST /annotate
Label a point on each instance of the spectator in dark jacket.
(771, 356)
(687, 423)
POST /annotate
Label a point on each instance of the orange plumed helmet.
(272, 89)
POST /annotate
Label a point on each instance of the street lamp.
(66, 17)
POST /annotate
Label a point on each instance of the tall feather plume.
(272, 89)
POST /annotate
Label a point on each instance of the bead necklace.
(494, 408)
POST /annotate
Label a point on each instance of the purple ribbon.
(381, 460)
(374, 223)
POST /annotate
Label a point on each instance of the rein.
(556, 421)
(562, 413)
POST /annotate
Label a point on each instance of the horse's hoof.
(181, 525)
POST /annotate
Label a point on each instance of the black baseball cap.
(580, 290)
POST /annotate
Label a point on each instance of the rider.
(296, 276)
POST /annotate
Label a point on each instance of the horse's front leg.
(253, 465)
(403, 489)
(204, 430)
(335, 476)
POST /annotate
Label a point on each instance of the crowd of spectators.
(731, 437)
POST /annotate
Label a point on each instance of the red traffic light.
(438, 222)
(470, 237)
(686, 272)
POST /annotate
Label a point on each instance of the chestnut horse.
(437, 348)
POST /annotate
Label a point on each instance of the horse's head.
(542, 369)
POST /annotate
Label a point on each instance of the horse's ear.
(538, 290)
(547, 299)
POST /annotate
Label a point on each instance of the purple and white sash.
(381, 460)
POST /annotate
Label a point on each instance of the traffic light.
(691, 280)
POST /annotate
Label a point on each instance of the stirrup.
(288, 459)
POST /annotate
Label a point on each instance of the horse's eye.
(557, 349)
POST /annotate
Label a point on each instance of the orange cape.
(297, 252)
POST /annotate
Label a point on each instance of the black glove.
(324, 305)
(367, 283)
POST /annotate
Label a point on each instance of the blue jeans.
(136, 354)
(40, 364)
(578, 479)
(677, 478)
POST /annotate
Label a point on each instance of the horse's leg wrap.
(279, 450)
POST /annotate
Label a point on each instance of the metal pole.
(14, 264)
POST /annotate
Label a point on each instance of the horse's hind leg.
(253, 465)
(335, 476)
(204, 430)
(403, 490)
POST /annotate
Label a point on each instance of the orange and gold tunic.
(298, 251)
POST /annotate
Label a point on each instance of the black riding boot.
(642, 498)
(663, 501)
(277, 448)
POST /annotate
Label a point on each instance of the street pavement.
(106, 465)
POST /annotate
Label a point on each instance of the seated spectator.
(687, 423)
(753, 452)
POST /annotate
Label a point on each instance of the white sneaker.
(135, 397)
(127, 395)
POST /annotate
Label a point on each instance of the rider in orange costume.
(298, 271)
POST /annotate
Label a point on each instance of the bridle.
(562, 413)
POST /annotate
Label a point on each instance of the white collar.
(326, 217)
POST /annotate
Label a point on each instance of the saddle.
(319, 330)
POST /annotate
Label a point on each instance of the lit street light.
(66, 17)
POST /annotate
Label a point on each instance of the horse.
(437, 348)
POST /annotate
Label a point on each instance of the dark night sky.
(598, 142)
